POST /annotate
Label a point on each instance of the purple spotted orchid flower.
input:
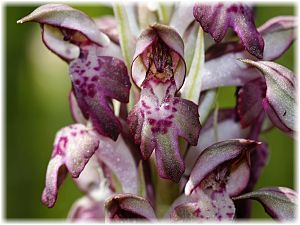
(147, 77)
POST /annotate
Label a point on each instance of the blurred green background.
(37, 86)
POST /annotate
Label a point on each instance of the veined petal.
(279, 202)
(96, 80)
(216, 155)
(249, 103)
(128, 206)
(216, 18)
(86, 209)
(65, 17)
(228, 128)
(280, 101)
(73, 147)
(279, 32)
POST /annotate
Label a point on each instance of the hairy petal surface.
(128, 206)
(280, 101)
(217, 18)
(279, 202)
(73, 147)
(96, 80)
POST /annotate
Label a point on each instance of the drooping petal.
(228, 128)
(117, 157)
(216, 155)
(158, 120)
(86, 209)
(96, 80)
(128, 206)
(279, 202)
(73, 147)
(222, 67)
(280, 101)
(65, 17)
(278, 33)
(249, 103)
(217, 18)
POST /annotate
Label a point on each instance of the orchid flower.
(147, 77)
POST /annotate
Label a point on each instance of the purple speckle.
(155, 129)
(91, 86)
(77, 82)
(145, 105)
(88, 63)
(91, 93)
(176, 100)
(229, 214)
(170, 117)
(174, 109)
(167, 107)
(151, 121)
(95, 78)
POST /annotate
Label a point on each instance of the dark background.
(37, 86)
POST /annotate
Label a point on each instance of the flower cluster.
(146, 80)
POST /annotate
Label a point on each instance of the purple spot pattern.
(156, 122)
(96, 81)
(214, 203)
(73, 147)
